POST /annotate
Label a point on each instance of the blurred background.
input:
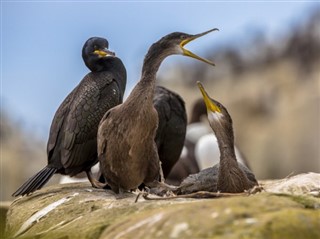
(267, 72)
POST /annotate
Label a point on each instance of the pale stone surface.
(307, 183)
(80, 211)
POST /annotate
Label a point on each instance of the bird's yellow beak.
(104, 53)
(193, 37)
(209, 103)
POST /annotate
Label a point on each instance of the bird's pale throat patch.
(213, 107)
(215, 116)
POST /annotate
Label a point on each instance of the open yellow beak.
(193, 37)
(209, 103)
(104, 53)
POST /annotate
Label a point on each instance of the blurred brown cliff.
(22, 155)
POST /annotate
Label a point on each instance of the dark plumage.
(126, 137)
(72, 143)
(228, 175)
(187, 163)
(198, 110)
(172, 126)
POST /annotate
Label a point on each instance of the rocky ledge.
(287, 208)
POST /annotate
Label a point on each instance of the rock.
(80, 211)
(4, 207)
(307, 183)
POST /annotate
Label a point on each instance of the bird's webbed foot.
(160, 188)
(94, 182)
(255, 189)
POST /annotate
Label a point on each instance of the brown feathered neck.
(152, 61)
(231, 178)
(221, 124)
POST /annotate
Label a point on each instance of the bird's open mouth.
(191, 38)
(104, 53)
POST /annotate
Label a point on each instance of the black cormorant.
(126, 137)
(228, 175)
(172, 127)
(72, 144)
(187, 163)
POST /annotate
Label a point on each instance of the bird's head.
(218, 116)
(94, 50)
(175, 43)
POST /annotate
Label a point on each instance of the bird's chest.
(144, 122)
(231, 178)
(109, 96)
(141, 133)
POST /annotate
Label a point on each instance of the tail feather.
(35, 182)
(41, 180)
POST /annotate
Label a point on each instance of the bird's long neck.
(152, 61)
(225, 140)
(231, 178)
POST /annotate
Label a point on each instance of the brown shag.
(200, 147)
(171, 131)
(72, 144)
(126, 136)
(227, 176)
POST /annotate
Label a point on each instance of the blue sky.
(41, 41)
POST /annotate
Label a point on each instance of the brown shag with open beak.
(228, 176)
(126, 147)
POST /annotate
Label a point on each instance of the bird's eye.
(183, 37)
(95, 47)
